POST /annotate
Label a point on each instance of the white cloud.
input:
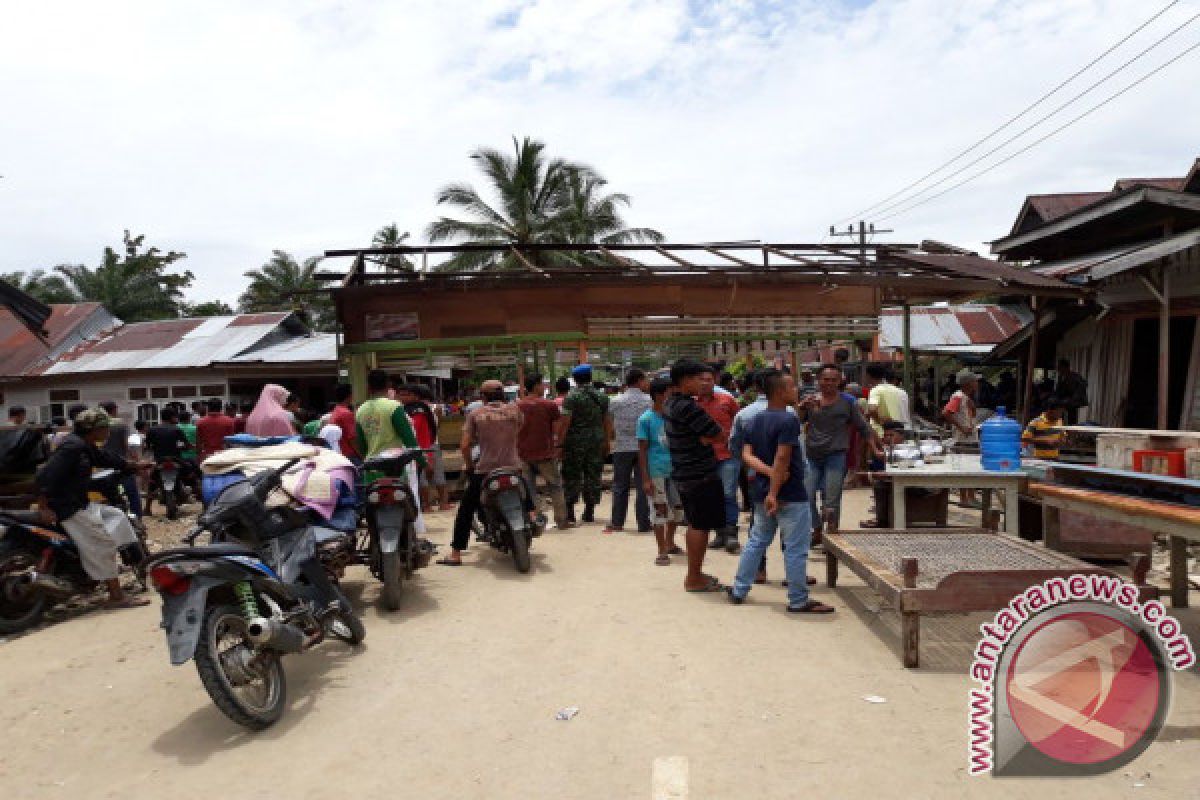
(230, 129)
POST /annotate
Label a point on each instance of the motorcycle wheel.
(520, 549)
(346, 626)
(248, 687)
(172, 505)
(19, 610)
(392, 576)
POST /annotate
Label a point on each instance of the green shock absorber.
(246, 597)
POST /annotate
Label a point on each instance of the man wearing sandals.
(654, 461)
(774, 452)
(97, 530)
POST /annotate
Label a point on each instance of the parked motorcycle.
(393, 550)
(256, 593)
(506, 524)
(40, 565)
(167, 486)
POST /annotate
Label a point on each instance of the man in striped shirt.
(691, 434)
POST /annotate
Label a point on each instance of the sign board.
(392, 327)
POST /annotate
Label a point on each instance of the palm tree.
(135, 286)
(589, 215)
(390, 236)
(529, 189)
(41, 285)
(284, 284)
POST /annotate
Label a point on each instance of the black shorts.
(703, 502)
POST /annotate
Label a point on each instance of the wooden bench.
(956, 570)
(1180, 524)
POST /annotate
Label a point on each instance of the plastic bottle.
(1000, 443)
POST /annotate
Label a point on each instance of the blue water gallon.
(1000, 443)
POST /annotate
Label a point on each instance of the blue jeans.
(625, 470)
(729, 470)
(826, 474)
(795, 529)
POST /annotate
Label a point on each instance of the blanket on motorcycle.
(317, 482)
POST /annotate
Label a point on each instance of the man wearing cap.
(960, 413)
(97, 531)
(589, 429)
(494, 427)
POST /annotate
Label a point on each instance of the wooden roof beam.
(734, 259)
(528, 264)
(669, 255)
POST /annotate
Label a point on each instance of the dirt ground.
(455, 696)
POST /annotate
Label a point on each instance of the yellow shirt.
(1049, 437)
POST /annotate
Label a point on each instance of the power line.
(1052, 133)
(1018, 116)
(1038, 123)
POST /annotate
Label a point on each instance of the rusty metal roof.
(68, 326)
(956, 328)
(1173, 184)
(174, 344)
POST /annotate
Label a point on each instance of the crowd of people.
(682, 443)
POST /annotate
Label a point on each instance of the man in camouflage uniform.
(585, 444)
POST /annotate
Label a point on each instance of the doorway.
(1142, 408)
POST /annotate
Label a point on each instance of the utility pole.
(862, 231)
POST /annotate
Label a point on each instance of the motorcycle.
(167, 485)
(40, 565)
(506, 525)
(393, 550)
(257, 592)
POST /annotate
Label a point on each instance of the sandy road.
(455, 696)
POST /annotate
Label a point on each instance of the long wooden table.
(1181, 524)
(965, 472)
(950, 570)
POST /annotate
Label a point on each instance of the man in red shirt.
(343, 417)
(539, 444)
(721, 406)
(211, 430)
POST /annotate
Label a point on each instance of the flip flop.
(445, 562)
(676, 551)
(663, 561)
(811, 607)
(714, 585)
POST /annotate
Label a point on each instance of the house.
(146, 366)
(1136, 248)
(22, 352)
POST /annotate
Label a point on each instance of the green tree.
(209, 308)
(390, 236)
(537, 199)
(284, 284)
(47, 287)
(136, 285)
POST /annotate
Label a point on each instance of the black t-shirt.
(685, 423)
(166, 441)
(65, 476)
(768, 430)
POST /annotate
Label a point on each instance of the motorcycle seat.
(389, 465)
(200, 551)
(24, 517)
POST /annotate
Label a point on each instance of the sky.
(229, 129)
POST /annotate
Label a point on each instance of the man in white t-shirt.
(886, 402)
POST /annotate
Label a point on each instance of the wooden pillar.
(1031, 361)
(583, 353)
(358, 377)
(1164, 347)
(909, 361)
(551, 354)
(1178, 571)
(910, 621)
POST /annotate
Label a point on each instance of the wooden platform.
(930, 571)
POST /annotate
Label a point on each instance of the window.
(55, 410)
(160, 393)
(213, 390)
(138, 393)
(64, 395)
(148, 412)
(183, 391)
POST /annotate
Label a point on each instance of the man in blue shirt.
(654, 460)
(773, 450)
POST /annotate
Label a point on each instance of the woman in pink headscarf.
(269, 417)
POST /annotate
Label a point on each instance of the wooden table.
(1179, 523)
(960, 472)
(951, 570)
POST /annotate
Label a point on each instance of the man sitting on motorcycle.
(97, 531)
(167, 441)
(494, 428)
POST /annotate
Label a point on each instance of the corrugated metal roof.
(317, 347)
(1052, 206)
(952, 327)
(170, 344)
(1173, 184)
(984, 268)
(68, 326)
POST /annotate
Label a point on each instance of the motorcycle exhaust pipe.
(49, 584)
(275, 635)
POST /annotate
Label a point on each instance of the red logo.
(1083, 688)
